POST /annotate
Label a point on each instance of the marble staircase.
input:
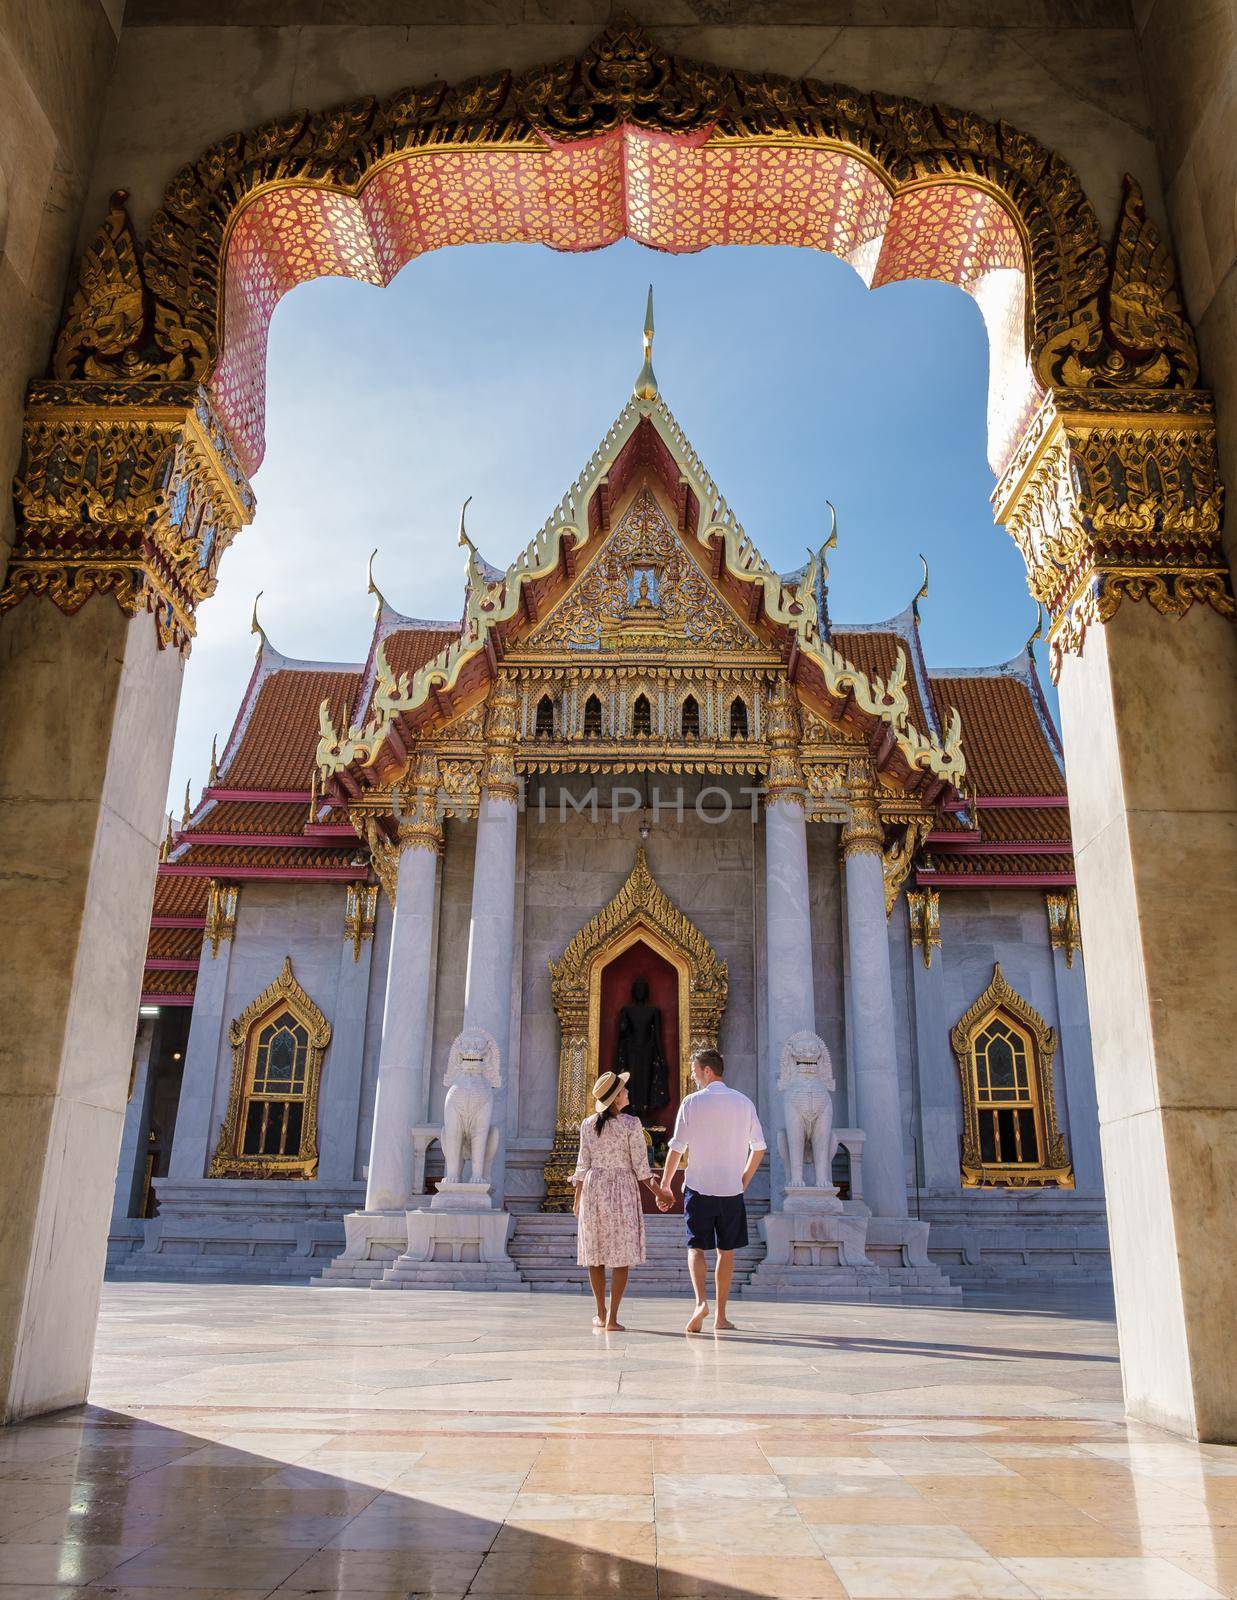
(543, 1247)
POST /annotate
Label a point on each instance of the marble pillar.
(1150, 731)
(791, 1003)
(940, 1093)
(401, 1098)
(203, 1090)
(1075, 1074)
(87, 719)
(491, 951)
(339, 1099)
(131, 1168)
(871, 1021)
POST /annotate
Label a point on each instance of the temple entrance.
(621, 1047)
(640, 934)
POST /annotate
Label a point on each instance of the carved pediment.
(643, 592)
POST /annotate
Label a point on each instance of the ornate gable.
(643, 592)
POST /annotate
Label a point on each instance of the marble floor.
(244, 1442)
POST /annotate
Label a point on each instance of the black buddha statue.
(640, 1051)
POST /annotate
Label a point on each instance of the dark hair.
(603, 1117)
(711, 1059)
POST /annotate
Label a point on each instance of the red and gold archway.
(1092, 363)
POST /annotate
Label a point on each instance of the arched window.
(592, 717)
(690, 719)
(270, 1128)
(1009, 1133)
(642, 716)
(738, 719)
(543, 728)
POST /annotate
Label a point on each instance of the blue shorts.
(714, 1221)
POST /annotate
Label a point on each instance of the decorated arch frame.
(640, 910)
(138, 446)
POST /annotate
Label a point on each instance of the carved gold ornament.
(1031, 1044)
(862, 833)
(1116, 496)
(222, 905)
(360, 915)
(1064, 933)
(639, 911)
(923, 911)
(127, 490)
(283, 1013)
(898, 857)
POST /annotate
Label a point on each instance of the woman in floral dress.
(613, 1163)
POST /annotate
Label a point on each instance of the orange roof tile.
(174, 944)
(156, 983)
(408, 649)
(1041, 823)
(277, 745)
(973, 865)
(1003, 739)
(251, 816)
(180, 897)
(224, 856)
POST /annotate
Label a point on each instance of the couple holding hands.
(720, 1127)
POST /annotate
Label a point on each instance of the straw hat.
(606, 1087)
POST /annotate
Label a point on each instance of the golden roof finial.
(646, 382)
(922, 593)
(1039, 629)
(256, 627)
(831, 543)
(373, 587)
(184, 821)
(165, 849)
(214, 758)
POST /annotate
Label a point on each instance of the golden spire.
(922, 593)
(184, 821)
(214, 759)
(373, 587)
(646, 382)
(165, 849)
(256, 627)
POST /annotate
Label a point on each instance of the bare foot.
(697, 1317)
(723, 1325)
(599, 1322)
(615, 1327)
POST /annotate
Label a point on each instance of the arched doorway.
(639, 933)
(134, 479)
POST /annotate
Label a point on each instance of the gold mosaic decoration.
(680, 598)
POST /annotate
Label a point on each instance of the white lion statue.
(472, 1077)
(805, 1080)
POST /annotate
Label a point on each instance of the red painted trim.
(326, 874)
(1009, 802)
(169, 964)
(961, 844)
(275, 796)
(166, 1000)
(989, 880)
(272, 841)
(330, 830)
(178, 922)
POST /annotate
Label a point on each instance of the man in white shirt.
(720, 1128)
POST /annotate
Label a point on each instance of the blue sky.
(493, 371)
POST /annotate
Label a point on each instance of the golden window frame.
(1052, 1166)
(244, 1035)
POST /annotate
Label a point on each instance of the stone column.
(401, 1096)
(90, 659)
(871, 1022)
(789, 989)
(1075, 1066)
(940, 1095)
(1114, 500)
(203, 1086)
(132, 1166)
(491, 927)
(339, 1100)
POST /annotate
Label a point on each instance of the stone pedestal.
(450, 1248)
(374, 1239)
